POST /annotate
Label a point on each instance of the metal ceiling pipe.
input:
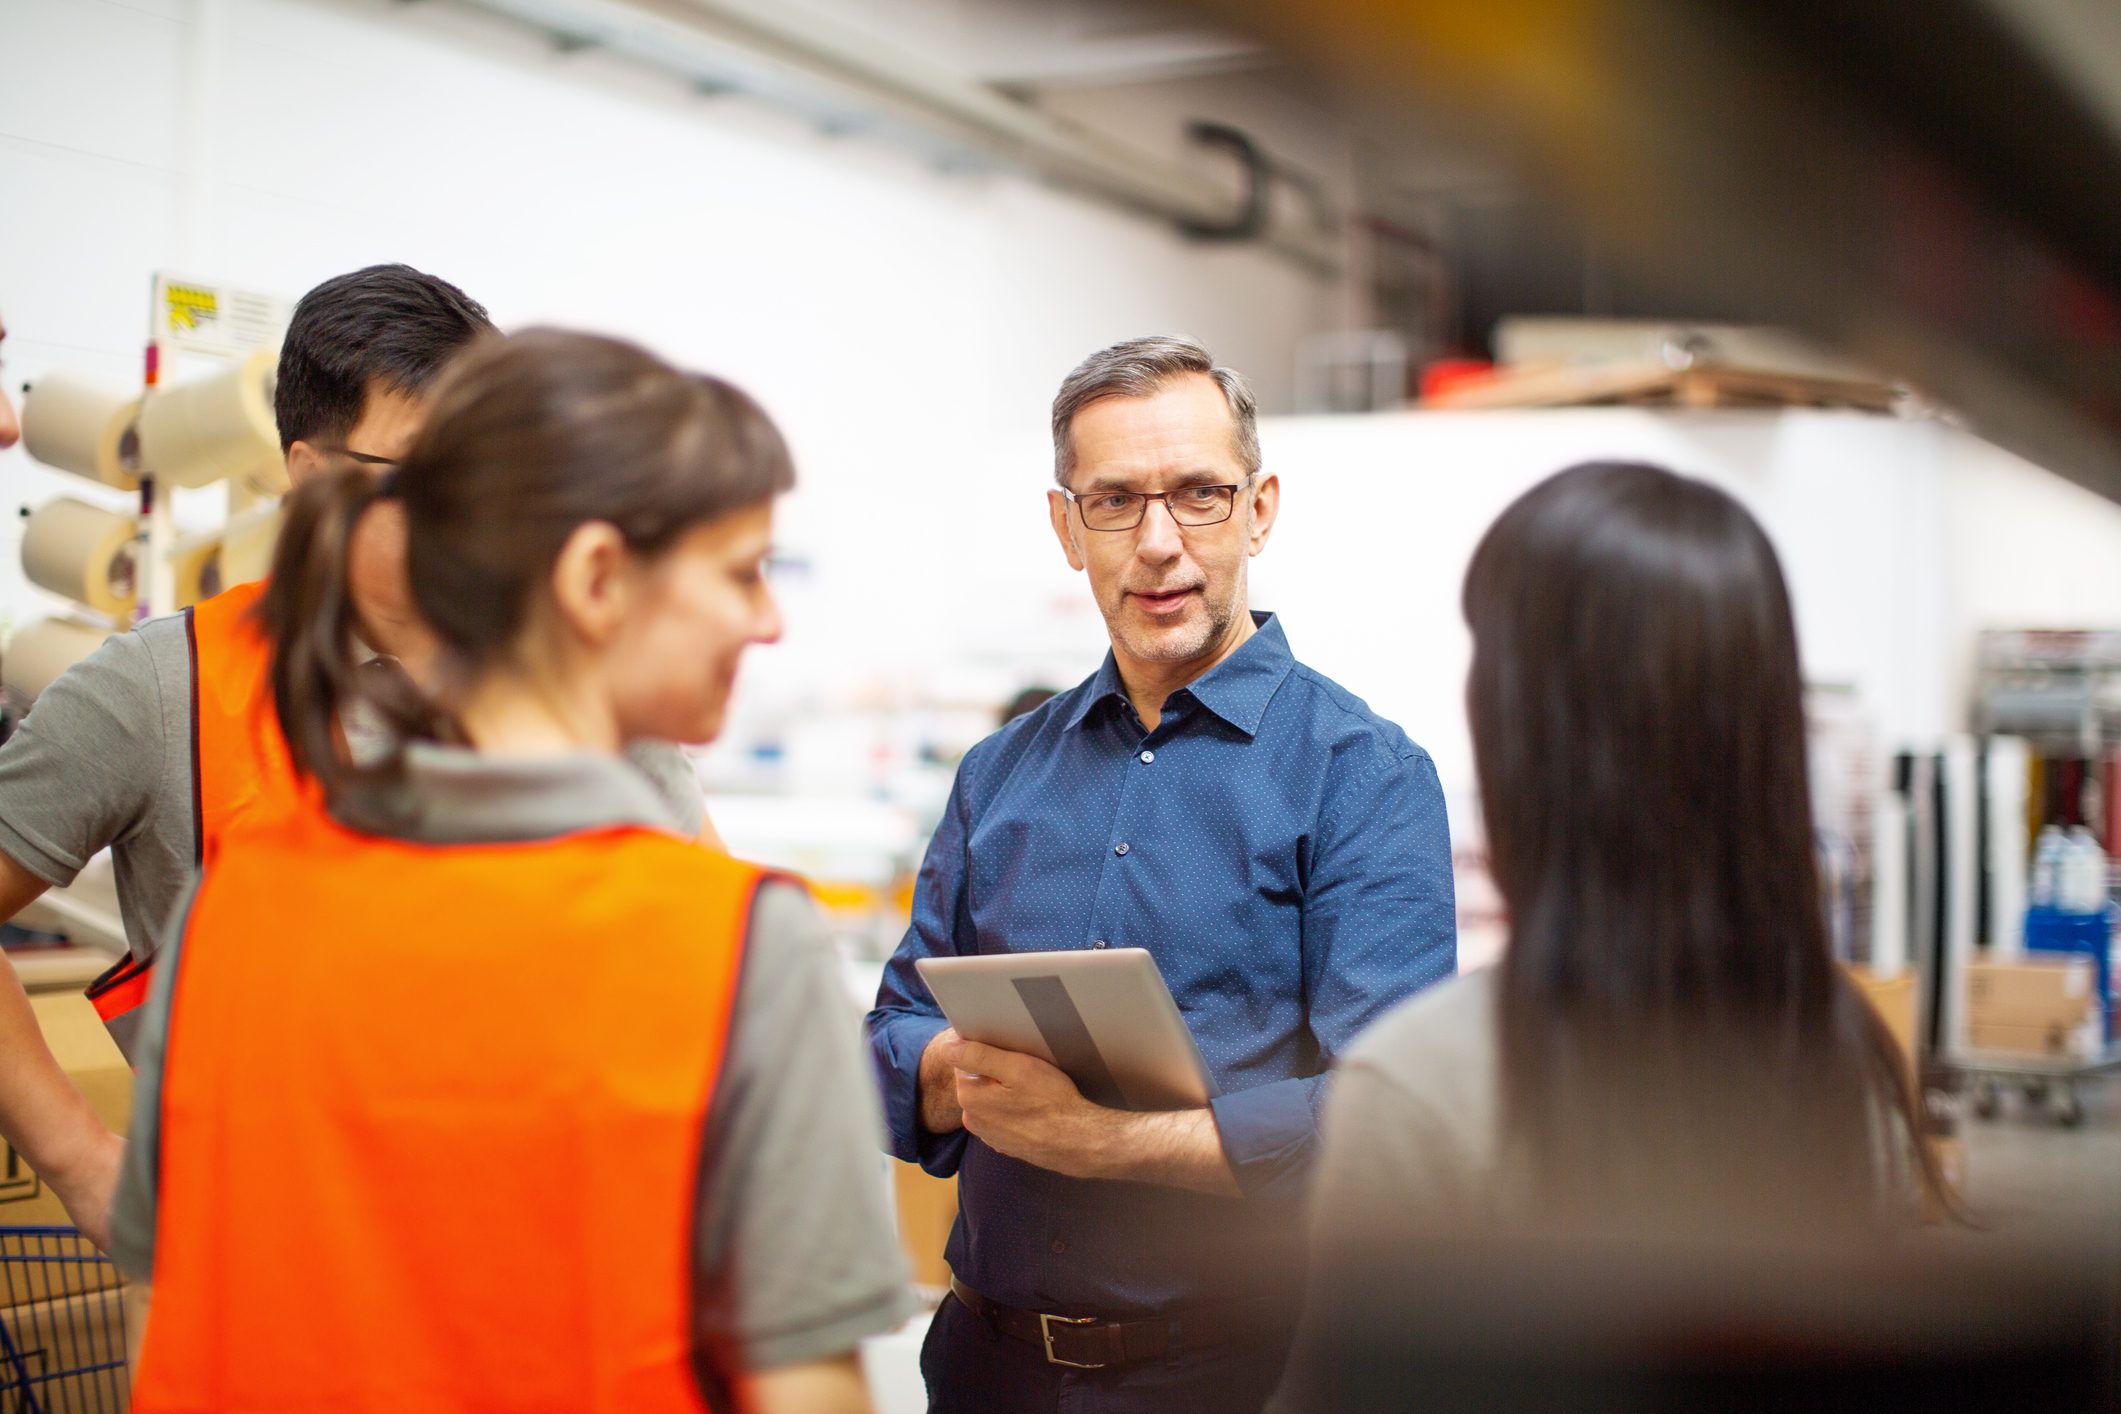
(911, 90)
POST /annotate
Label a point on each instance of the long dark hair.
(1674, 1029)
(529, 436)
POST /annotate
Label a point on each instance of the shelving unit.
(2060, 692)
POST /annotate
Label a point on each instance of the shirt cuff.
(899, 1044)
(1270, 1136)
(38, 858)
(877, 1313)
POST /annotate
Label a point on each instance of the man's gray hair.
(1138, 368)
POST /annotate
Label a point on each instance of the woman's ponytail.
(309, 617)
(527, 438)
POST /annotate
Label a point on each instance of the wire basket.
(62, 1328)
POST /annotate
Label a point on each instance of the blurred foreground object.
(1559, 1326)
(1933, 190)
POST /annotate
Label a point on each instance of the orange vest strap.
(118, 996)
(198, 774)
(238, 760)
(120, 988)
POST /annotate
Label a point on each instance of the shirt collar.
(1237, 689)
(453, 795)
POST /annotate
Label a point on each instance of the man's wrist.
(1112, 1142)
(1176, 1148)
(79, 1155)
(935, 1088)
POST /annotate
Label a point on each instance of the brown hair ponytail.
(529, 437)
(308, 613)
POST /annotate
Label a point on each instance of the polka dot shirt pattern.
(1282, 852)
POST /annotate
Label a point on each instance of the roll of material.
(197, 574)
(85, 428)
(40, 652)
(85, 552)
(199, 432)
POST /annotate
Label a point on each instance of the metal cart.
(62, 1330)
(2040, 1082)
(2061, 691)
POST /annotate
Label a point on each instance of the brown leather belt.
(1087, 1343)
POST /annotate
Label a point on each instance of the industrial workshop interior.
(1060, 706)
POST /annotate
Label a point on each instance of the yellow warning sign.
(191, 307)
(194, 316)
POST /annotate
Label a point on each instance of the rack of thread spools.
(121, 560)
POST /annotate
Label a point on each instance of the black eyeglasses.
(1188, 505)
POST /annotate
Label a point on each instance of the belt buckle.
(1045, 1330)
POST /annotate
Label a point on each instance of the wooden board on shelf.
(1652, 384)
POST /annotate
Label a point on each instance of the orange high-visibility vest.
(240, 762)
(444, 1154)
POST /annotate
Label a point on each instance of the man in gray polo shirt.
(42, 1115)
(105, 759)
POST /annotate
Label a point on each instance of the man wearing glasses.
(1280, 849)
(164, 733)
(111, 754)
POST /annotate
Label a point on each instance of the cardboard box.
(2049, 1042)
(58, 969)
(927, 1206)
(75, 1351)
(2054, 991)
(92, 1061)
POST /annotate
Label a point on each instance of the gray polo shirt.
(795, 1254)
(104, 759)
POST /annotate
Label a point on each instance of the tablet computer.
(1103, 1016)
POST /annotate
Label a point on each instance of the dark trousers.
(971, 1368)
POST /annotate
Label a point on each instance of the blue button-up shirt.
(1282, 852)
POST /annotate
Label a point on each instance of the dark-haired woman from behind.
(473, 1083)
(1667, 1053)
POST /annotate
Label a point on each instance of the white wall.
(1900, 541)
(908, 327)
(2026, 549)
(1380, 517)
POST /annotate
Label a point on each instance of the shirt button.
(1059, 1245)
(1121, 848)
(1098, 943)
(1147, 757)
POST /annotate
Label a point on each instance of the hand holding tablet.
(1104, 1017)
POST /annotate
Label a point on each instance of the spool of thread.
(84, 552)
(83, 427)
(196, 433)
(197, 573)
(39, 652)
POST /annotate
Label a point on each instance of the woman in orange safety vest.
(472, 1083)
